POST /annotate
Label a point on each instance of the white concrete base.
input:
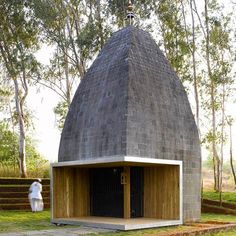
(116, 223)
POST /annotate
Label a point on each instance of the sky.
(42, 102)
(46, 133)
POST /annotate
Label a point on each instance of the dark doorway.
(106, 192)
(136, 191)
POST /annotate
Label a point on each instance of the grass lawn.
(18, 221)
(218, 217)
(226, 196)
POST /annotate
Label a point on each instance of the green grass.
(218, 217)
(18, 221)
(226, 196)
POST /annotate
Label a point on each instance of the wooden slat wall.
(81, 193)
(70, 192)
(63, 192)
(161, 192)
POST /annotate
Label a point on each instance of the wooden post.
(126, 184)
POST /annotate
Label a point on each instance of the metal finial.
(130, 14)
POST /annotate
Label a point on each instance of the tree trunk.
(22, 157)
(231, 153)
(195, 83)
(212, 101)
(68, 87)
(99, 19)
(222, 144)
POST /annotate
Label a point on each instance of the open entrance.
(136, 192)
(118, 195)
(106, 192)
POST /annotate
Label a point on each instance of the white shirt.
(35, 190)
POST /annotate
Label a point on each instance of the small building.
(129, 154)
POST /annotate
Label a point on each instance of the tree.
(76, 30)
(193, 9)
(8, 147)
(9, 151)
(174, 35)
(230, 122)
(219, 57)
(18, 41)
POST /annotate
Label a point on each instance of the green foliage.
(61, 111)
(18, 36)
(8, 146)
(175, 36)
(9, 155)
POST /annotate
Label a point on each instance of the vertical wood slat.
(62, 192)
(127, 193)
(70, 192)
(161, 192)
(81, 193)
(54, 186)
(69, 196)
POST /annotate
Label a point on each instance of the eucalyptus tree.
(174, 36)
(77, 31)
(230, 123)
(117, 10)
(18, 41)
(193, 49)
(219, 57)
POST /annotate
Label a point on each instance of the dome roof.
(130, 102)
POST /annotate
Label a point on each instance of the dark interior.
(136, 191)
(107, 192)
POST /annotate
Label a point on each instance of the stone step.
(20, 194)
(19, 200)
(218, 210)
(19, 188)
(20, 181)
(20, 206)
(217, 203)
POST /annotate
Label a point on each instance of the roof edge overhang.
(109, 160)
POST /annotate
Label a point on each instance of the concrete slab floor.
(60, 232)
(116, 223)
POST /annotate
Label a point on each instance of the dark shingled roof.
(132, 103)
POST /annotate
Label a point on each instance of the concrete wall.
(132, 103)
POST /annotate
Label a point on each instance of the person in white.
(35, 196)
